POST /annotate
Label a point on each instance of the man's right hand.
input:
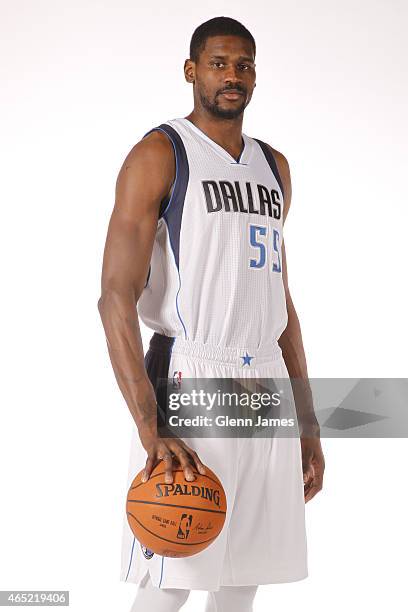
(166, 449)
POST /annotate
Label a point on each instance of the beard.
(222, 113)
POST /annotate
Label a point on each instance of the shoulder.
(153, 147)
(153, 155)
(148, 168)
(283, 167)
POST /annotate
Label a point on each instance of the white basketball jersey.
(216, 268)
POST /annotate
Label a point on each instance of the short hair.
(218, 26)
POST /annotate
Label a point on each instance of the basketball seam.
(141, 501)
(172, 541)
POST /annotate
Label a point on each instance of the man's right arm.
(144, 180)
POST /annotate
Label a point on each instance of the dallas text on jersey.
(227, 195)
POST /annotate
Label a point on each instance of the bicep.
(143, 181)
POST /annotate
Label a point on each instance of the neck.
(225, 132)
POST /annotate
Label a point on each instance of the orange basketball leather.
(178, 519)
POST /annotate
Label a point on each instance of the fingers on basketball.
(153, 459)
(194, 459)
(184, 460)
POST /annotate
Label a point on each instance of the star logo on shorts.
(247, 359)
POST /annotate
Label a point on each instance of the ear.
(189, 71)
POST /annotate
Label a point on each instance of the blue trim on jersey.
(206, 136)
(161, 574)
(174, 213)
(242, 152)
(148, 277)
(238, 161)
(178, 312)
(167, 201)
(174, 210)
(131, 557)
(272, 163)
(180, 183)
(178, 290)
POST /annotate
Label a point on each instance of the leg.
(231, 599)
(152, 598)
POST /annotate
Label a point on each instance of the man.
(195, 243)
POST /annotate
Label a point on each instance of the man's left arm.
(293, 354)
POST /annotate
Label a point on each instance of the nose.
(231, 75)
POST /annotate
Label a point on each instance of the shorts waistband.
(245, 356)
(161, 343)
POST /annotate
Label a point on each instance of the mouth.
(232, 94)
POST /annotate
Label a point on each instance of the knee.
(181, 595)
(155, 599)
(231, 598)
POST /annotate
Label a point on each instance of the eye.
(244, 66)
(217, 64)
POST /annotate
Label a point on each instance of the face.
(223, 76)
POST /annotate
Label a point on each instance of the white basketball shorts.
(263, 540)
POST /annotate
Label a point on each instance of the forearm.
(293, 353)
(121, 324)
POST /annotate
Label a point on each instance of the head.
(221, 67)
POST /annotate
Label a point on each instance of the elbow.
(104, 303)
(100, 304)
(101, 311)
(116, 301)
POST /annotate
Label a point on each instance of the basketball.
(179, 519)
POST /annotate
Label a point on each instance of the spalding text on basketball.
(164, 490)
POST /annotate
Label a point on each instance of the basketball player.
(195, 248)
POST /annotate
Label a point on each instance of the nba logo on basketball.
(184, 526)
(176, 379)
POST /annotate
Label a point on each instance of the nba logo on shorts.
(176, 379)
(184, 526)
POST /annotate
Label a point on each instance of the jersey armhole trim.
(166, 129)
(271, 162)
